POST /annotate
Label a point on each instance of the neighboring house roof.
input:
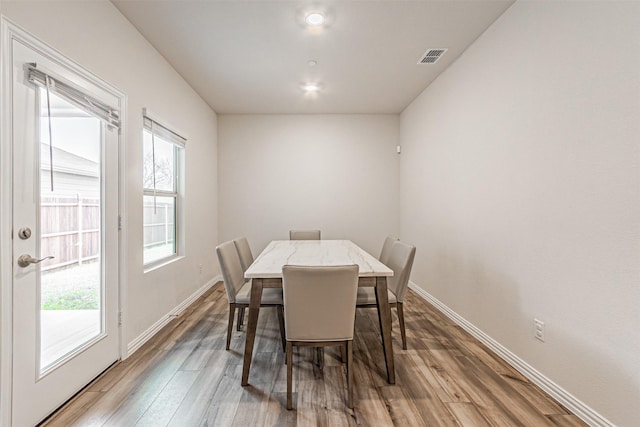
(66, 162)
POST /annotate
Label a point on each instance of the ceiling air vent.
(431, 56)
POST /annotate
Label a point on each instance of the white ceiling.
(252, 56)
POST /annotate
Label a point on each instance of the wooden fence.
(158, 223)
(69, 230)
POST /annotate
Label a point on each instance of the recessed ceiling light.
(311, 87)
(314, 19)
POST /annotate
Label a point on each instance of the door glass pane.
(159, 219)
(70, 230)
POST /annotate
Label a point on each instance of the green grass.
(81, 299)
(75, 288)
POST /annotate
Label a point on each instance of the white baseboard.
(155, 328)
(579, 408)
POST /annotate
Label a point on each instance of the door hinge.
(119, 318)
(119, 222)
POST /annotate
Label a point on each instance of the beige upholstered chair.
(304, 234)
(386, 249)
(320, 309)
(246, 259)
(400, 260)
(239, 291)
(244, 252)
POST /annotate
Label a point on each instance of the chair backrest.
(231, 268)
(304, 234)
(319, 302)
(400, 261)
(244, 251)
(386, 249)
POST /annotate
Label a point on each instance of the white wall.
(95, 35)
(337, 173)
(520, 187)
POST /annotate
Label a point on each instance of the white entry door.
(65, 230)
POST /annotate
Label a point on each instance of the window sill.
(161, 263)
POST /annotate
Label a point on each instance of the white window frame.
(158, 129)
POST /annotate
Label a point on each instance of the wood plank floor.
(184, 377)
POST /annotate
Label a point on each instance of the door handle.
(25, 260)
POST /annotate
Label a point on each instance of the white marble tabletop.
(314, 252)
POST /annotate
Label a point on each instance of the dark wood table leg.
(384, 316)
(252, 326)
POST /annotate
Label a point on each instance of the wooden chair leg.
(320, 357)
(283, 335)
(343, 353)
(239, 321)
(289, 356)
(349, 346)
(401, 321)
(232, 310)
(240, 317)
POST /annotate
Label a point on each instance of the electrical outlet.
(200, 268)
(538, 329)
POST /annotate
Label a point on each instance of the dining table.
(266, 272)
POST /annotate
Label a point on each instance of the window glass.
(161, 153)
(159, 220)
(161, 207)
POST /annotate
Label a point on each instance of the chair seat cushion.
(367, 296)
(269, 295)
